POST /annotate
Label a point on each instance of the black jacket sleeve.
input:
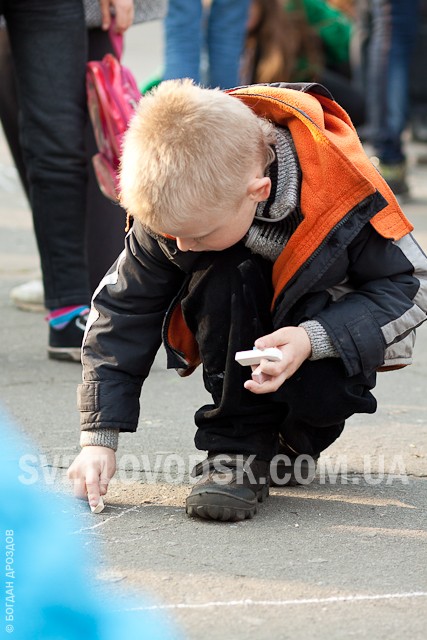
(124, 332)
(384, 301)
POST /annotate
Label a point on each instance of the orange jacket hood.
(336, 173)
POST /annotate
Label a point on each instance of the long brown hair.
(276, 41)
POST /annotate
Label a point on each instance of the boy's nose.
(184, 244)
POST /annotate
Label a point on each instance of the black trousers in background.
(227, 306)
(49, 56)
(102, 229)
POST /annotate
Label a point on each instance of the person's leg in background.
(28, 296)
(387, 56)
(52, 101)
(359, 42)
(225, 38)
(105, 221)
(9, 106)
(404, 20)
(183, 39)
(417, 89)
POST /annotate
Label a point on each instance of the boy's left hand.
(295, 346)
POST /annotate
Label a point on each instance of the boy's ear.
(259, 189)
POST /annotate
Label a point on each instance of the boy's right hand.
(91, 472)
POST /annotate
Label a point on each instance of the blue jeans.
(387, 33)
(221, 33)
(48, 42)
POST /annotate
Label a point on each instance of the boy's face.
(223, 229)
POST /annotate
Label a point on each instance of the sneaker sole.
(214, 505)
(34, 307)
(64, 353)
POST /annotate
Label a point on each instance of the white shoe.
(29, 296)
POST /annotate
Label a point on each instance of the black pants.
(227, 307)
(49, 55)
(97, 238)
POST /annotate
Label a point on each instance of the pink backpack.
(112, 95)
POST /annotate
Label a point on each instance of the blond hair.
(189, 151)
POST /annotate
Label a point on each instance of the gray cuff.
(321, 344)
(102, 437)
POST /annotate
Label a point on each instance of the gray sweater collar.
(285, 175)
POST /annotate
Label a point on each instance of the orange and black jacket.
(352, 265)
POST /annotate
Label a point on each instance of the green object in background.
(333, 27)
(151, 82)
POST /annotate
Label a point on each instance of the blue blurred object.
(47, 594)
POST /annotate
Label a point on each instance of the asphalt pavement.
(344, 557)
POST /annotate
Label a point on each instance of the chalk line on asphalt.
(104, 521)
(282, 603)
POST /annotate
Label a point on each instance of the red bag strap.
(116, 39)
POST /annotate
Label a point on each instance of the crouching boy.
(257, 219)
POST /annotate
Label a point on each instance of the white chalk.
(254, 356)
(99, 507)
(259, 376)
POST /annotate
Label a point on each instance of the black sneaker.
(290, 469)
(230, 487)
(66, 343)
